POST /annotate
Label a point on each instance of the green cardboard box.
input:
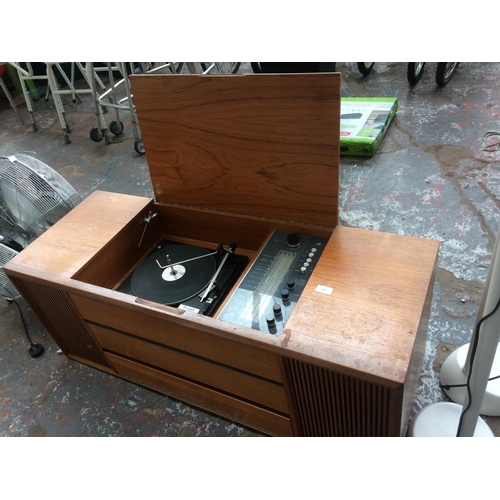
(364, 122)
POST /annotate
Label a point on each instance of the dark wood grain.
(264, 145)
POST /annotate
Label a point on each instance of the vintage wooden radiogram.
(235, 289)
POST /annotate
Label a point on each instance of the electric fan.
(463, 420)
(7, 289)
(10, 294)
(33, 197)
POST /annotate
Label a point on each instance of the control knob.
(293, 240)
(285, 296)
(271, 325)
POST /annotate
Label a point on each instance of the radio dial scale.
(269, 291)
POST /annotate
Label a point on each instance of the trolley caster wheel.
(67, 139)
(96, 135)
(414, 72)
(116, 127)
(365, 67)
(444, 72)
(139, 146)
(107, 137)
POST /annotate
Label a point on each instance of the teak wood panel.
(412, 376)
(203, 397)
(329, 404)
(182, 335)
(364, 303)
(261, 145)
(204, 371)
(246, 231)
(66, 247)
(62, 320)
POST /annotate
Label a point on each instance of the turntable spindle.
(173, 272)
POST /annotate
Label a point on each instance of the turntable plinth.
(348, 360)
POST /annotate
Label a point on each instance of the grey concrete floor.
(435, 175)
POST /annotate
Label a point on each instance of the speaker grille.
(60, 317)
(331, 404)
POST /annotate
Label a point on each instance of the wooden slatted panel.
(332, 404)
(204, 371)
(62, 320)
(229, 407)
(178, 334)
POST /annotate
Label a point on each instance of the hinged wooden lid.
(263, 145)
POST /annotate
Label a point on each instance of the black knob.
(290, 284)
(285, 296)
(277, 310)
(293, 240)
(271, 325)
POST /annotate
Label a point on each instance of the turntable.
(186, 276)
(156, 292)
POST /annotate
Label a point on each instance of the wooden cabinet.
(233, 159)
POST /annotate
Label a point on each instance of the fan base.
(35, 350)
(441, 420)
(451, 373)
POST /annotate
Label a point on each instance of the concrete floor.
(435, 175)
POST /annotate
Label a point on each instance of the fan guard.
(33, 197)
(7, 290)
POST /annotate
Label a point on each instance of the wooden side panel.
(181, 335)
(416, 361)
(329, 404)
(248, 232)
(208, 399)
(80, 235)
(261, 145)
(362, 306)
(120, 255)
(204, 371)
(58, 314)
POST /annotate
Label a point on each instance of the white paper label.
(324, 289)
(189, 308)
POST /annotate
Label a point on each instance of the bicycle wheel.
(445, 71)
(414, 72)
(365, 67)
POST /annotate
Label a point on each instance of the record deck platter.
(186, 276)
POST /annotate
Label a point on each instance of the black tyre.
(233, 67)
(445, 71)
(255, 67)
(414, 72)
(365, 67)
(116, 127)
(139, 146)
(96, 135)
(177, 67)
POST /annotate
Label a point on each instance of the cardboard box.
(364, 122)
